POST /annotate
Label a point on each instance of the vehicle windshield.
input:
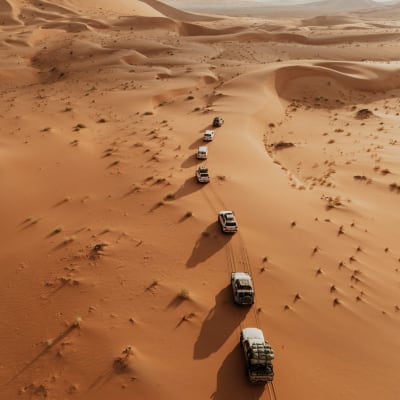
(230, 223)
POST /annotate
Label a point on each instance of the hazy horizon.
(303, 1)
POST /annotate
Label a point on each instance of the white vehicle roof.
(253, 334)
(226, 212)
(209, 132)
(203, 149)
(241, 275)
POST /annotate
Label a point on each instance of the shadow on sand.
(198, 142)
(232, 380)
(189, 186)
(191, 161)
(209, 242)
(221, 321)
(47, 348)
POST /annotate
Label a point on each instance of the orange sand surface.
(114, 273)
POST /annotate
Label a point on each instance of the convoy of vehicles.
(257, 351)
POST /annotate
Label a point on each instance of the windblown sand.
(114, 273)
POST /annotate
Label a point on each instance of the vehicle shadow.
(189, 186)
(197, 143)
(219, 324)
(232, 381)
(210, 241)
(190, 161)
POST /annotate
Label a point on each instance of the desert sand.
(114, 273)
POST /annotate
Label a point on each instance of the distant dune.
(284, 10)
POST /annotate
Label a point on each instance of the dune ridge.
(8, 13)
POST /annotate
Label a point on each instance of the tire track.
(241, 258)
(272, 391)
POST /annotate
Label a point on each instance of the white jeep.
(227, 221)
(202, 153)
(218, 122)
(202, 174)
(208, 135)
(242, 287)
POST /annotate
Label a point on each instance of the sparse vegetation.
(170, 196)
(336, 301)
(360, 177)
(282, 145)
(57, 229)
(79, 126)
(364, 113)
(121, 364)
(153, 285)
(188, 214)
(69, 239)
(76, 323)
(333, 202)
(183, 294)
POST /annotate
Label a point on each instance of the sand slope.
(115, 275)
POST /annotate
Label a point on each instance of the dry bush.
(282, 145)
(360, 177)
(183, 294)
(364, 113)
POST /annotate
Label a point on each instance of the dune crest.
(8, 13)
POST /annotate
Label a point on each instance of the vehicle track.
(272, 391)
(232, 260)
(241, 258)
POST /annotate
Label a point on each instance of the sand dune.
(8, 13)
(329, 20)
(115, 275)
(300, 9)
(177, 14)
